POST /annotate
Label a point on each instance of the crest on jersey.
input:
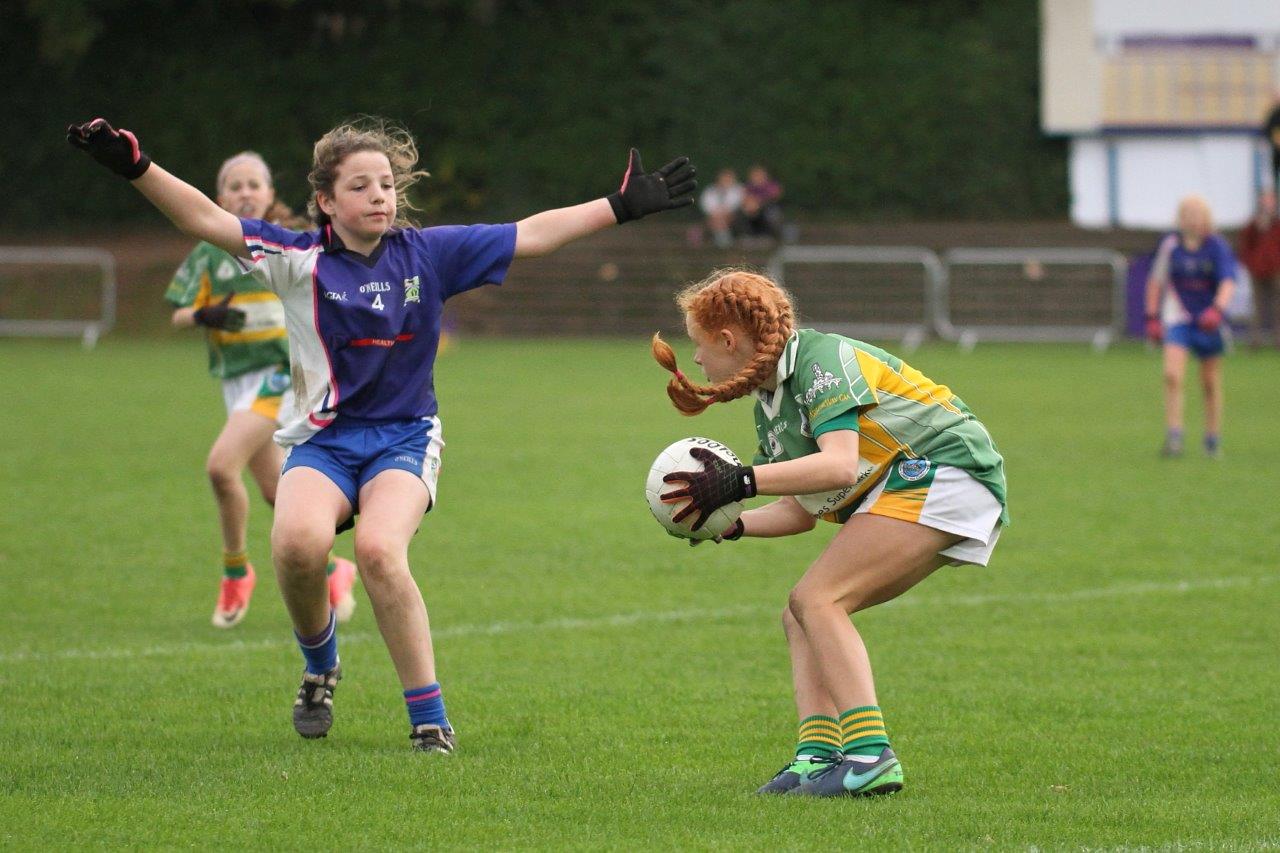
(412, 290)
(822, 381)
(913, 469)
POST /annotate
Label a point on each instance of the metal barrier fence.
(89, 330)
(891, 288)
(1032, 295)
(907, 292)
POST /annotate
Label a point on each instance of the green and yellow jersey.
(828, 382)
(206, 276)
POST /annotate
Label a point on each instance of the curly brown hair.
(736, 298)
(365, 133)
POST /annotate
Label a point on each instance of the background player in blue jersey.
(363, 297)
(1192, 280)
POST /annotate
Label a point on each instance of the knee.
(790, 625)
(223, 476)
(802, 603)
(1172, 380)
(378, 558)
(297, 549)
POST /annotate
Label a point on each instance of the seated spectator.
(721, 202)
(761, 213)
(1260, 251)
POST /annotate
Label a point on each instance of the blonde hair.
(243, 157)
(1196, 204)
(742, 299)
(278, 212)
(365, 133)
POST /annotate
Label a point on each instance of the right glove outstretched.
(118, 150)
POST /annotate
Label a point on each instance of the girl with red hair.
(849, 434)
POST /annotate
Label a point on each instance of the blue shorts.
(351, 453)
(1203, 344)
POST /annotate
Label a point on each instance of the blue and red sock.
(321, 651)
(426, 705)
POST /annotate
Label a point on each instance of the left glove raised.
(118, 150)
(717, 484)
(220, 315)
(670, 187)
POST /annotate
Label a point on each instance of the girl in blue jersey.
(1191, 283)
(363, 297)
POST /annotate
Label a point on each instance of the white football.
(677, 458)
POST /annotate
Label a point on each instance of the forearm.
(190, 210)
(184, 318)
(545, 232)
(1152, 300)
(1226, 289)
(784, 517)
(817, 472)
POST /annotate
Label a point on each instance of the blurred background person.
(721, 203)
(1192, 280)
(761, 212)
(1260, 252)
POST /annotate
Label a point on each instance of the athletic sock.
(1174, 434)
(863, 731)
(819, 737)
(331, 565)
(426, 705)
(321, 651)
(1211, 441)
(235, 564)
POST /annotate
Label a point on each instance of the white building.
(1160, 99)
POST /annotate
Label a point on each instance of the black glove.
(733, 535)
(220, 315)
(118, 150)
(717, 484)
(670, 187)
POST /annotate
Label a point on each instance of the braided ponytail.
(731, 297)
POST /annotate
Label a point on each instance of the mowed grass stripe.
(618, 620)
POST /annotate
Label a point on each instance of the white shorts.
(267, 392)
(944, 498)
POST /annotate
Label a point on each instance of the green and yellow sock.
(331, 565)
(863, 732)
(819, 737)
(235, 564)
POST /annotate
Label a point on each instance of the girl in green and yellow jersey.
(249, 352)
(849, 434)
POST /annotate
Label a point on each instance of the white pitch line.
(587, 623)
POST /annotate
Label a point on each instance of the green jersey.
(206, 276)
(828, 382)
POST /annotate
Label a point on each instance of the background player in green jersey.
(850, 434)
(249, 352)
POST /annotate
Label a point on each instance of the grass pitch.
(1110, 680)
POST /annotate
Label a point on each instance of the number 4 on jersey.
(377, 301)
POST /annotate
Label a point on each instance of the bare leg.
(241, 437)
(1211, 377)
(871, 560)
(391, 508)
(1175, 366)
(308, 506)
(265, 466)
(811, 693)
